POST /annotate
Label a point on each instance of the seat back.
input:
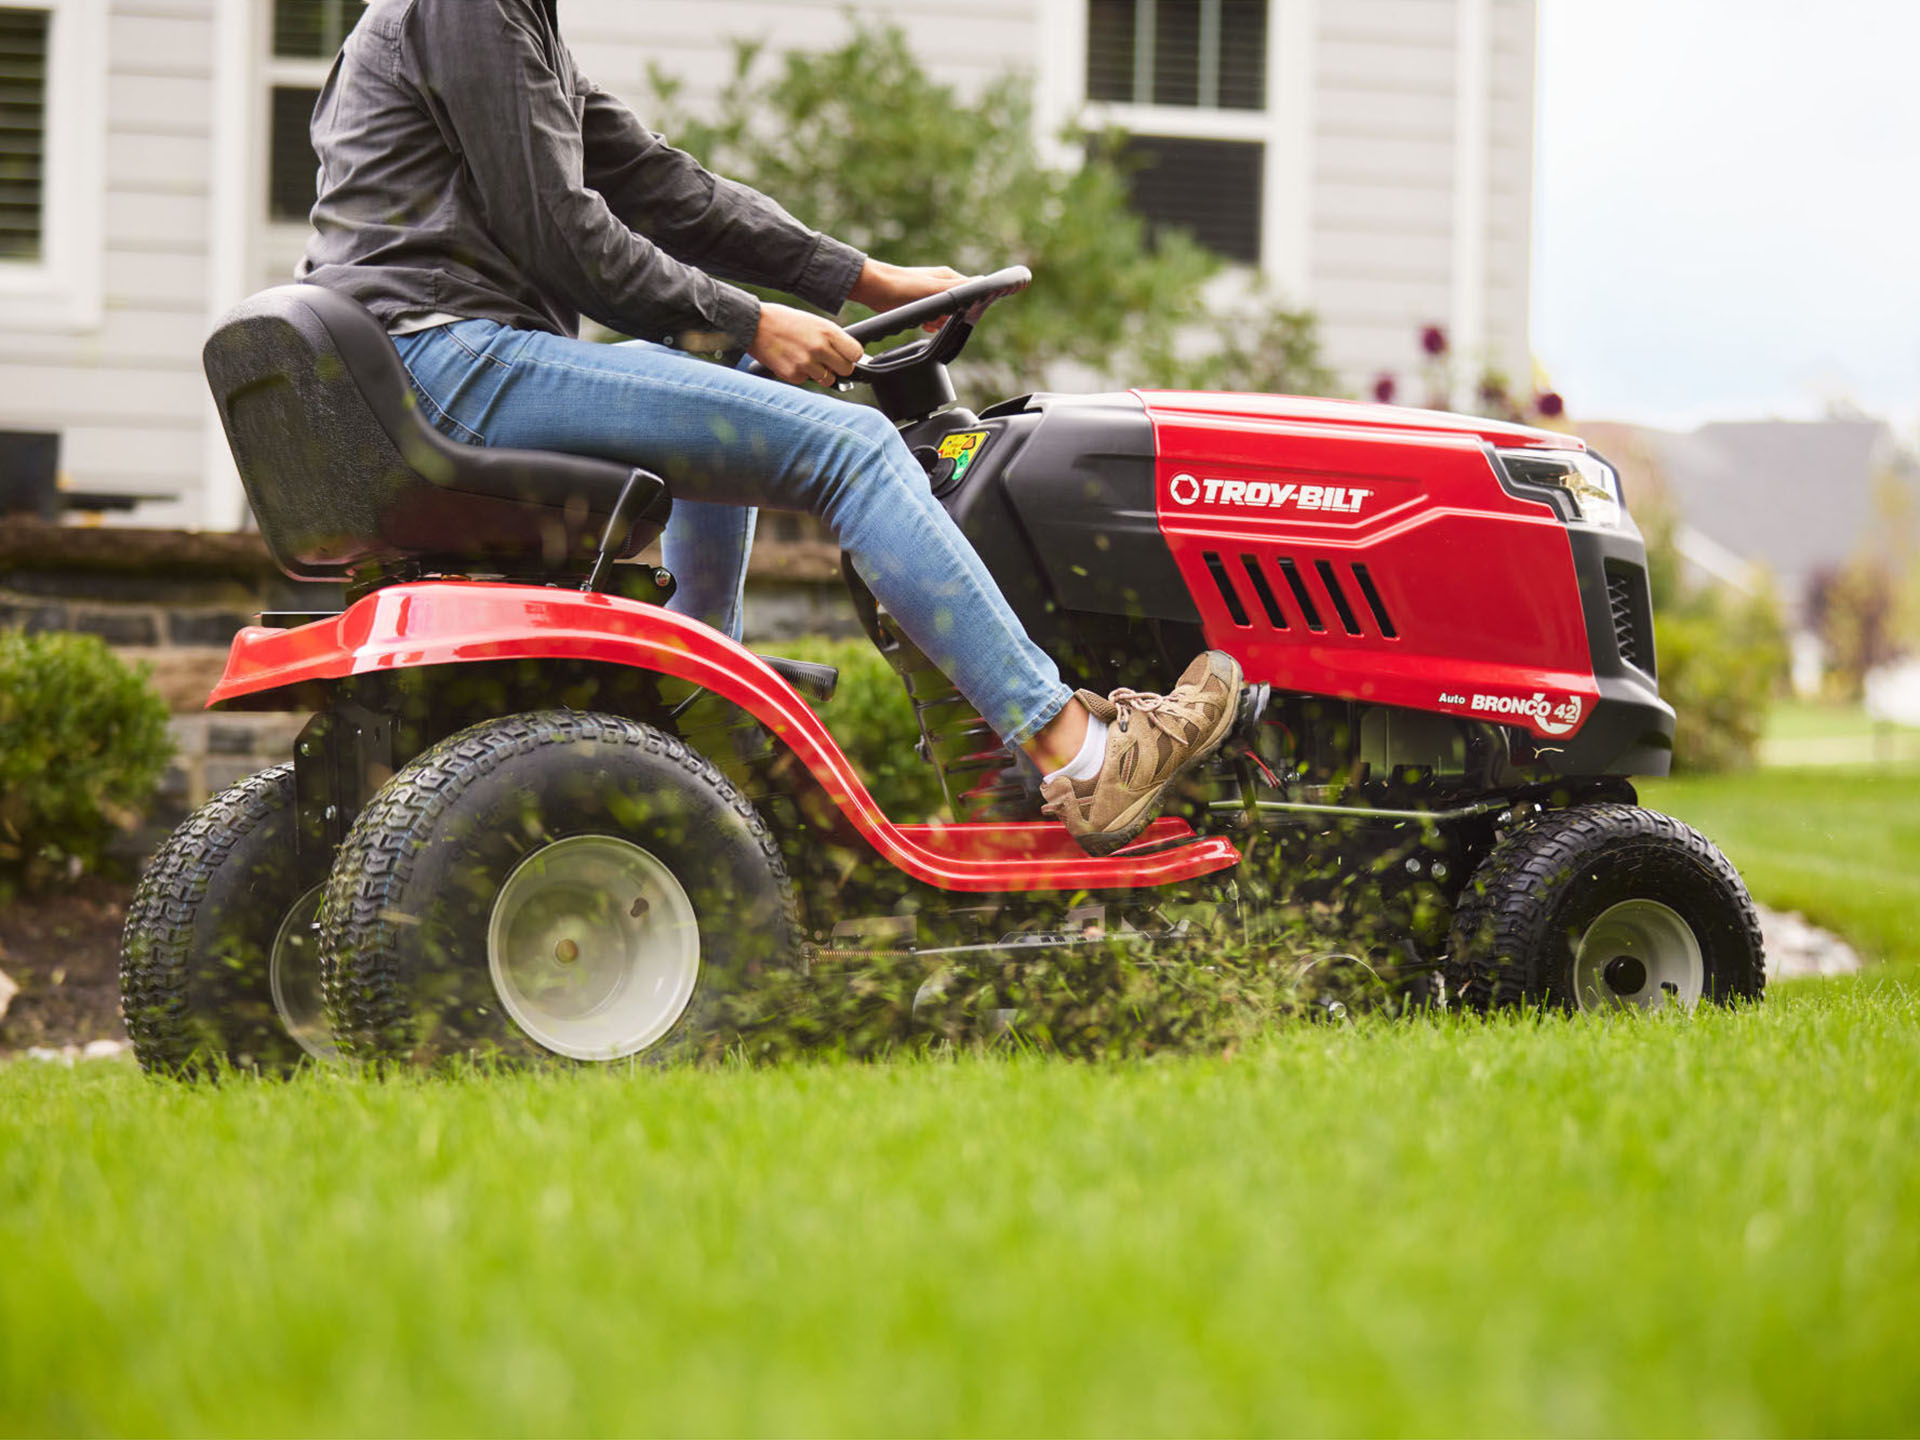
(348, 480)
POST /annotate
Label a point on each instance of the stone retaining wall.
(172, 600)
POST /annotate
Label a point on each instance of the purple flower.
(1550, 404)
(1385, 388)
(1433, 340)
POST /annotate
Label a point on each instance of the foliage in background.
(1722, 655)
(1856, 612)
(861, 143)
(872, 719)
(1496, 396)
(1867, 610)
(83, 743)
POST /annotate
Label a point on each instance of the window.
(312, 29)
(1211, 188)
(1187, 79)
(23, 132)
(292, 164)
(1208, 54)
(307, 34)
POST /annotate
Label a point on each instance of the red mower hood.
(1309, 410)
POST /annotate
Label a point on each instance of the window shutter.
(1209, 188)
(23, 137)
(312, 29)
(1209, 54)
(291, 187)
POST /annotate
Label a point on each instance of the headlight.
(1591, 482)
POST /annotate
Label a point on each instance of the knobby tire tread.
(1493, 955)
(361, 980)
(156, 945)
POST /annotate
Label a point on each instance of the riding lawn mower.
(537, 816)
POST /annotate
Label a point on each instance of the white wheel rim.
(1638, 955)
(293, 974)
(594, 948)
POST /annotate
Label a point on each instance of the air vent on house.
(23, 117)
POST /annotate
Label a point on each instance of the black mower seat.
(348, 481)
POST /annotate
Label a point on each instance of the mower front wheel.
(1605, 907)
(555, 887)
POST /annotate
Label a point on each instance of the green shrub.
(872, 719)
(83, 742)
(860, 141)
(1719, 669)
(1722, 655)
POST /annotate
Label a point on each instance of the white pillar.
(1059, 78)
(233, 197)
(1286, 207)
(1472, 84)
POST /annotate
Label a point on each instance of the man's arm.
(511, 117)
(724, 227)
(727, 228)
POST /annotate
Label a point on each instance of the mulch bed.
(63, 950)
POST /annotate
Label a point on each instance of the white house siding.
(125, 393)
(962, 42)
(1509, 253)
(1385, 216)
(1364, 216)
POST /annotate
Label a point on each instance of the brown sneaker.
(1152, 740)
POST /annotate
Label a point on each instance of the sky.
(1727, 208)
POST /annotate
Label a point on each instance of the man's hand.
(798, 347)
(887, 287)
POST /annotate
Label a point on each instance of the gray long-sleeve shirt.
(468, 169)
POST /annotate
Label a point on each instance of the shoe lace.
(1163, 712)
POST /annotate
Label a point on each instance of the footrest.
(816, 682)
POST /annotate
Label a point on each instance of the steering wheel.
(963, 306)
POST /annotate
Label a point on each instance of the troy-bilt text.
(1262, 494)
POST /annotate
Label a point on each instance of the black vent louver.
(1235, 608)
(23, 126)
(1375, 603)
(1627, 630)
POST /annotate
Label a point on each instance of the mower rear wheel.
(1605, 907)
(218, 964)
(552, 887)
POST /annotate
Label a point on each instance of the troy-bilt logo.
(1554, 719)
(1264, 495)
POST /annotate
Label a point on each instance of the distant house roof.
(1796, 496)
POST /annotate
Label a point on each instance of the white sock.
(1093, 750)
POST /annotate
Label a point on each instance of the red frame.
(1477, 585)
(454, 621)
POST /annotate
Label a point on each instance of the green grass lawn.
(1673, 1225)
(1841, 844)
(1617, 1226)
(1803, 732)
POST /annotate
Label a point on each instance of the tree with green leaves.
(862, 143)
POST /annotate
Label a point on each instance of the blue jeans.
(726, 442)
